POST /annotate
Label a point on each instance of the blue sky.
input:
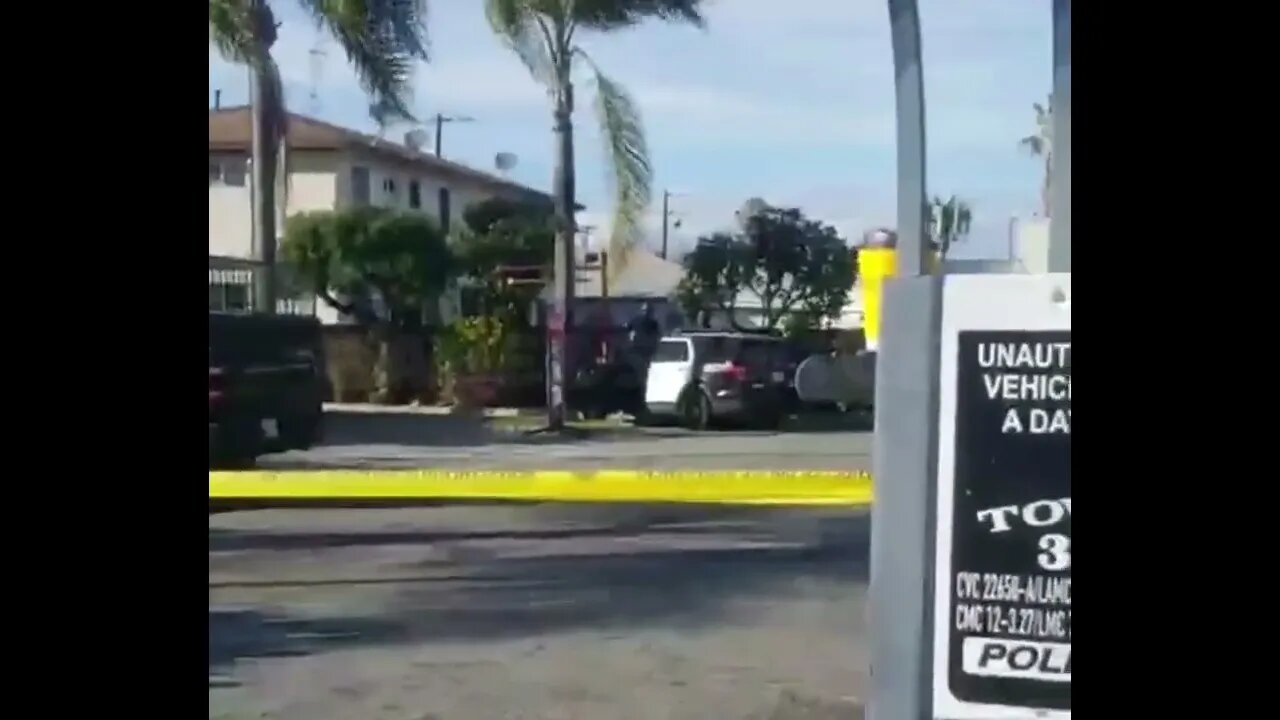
(791, 101)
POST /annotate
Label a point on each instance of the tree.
(383, 267)
(1041, 145)
(542, 34)
(949, 222)
(382, 40)
(502, 234)
(480, 217)
(789, 263)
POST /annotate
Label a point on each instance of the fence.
(231, 287)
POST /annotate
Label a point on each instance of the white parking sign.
(1002, 609)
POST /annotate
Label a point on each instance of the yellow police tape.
(722, 487)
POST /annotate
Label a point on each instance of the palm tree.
(542, 34)
(382, 40)
(949, 222)
(1041, 145)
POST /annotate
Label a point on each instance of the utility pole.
(666, 218)
(666, 198)
(441, 119)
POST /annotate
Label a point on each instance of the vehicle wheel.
(695, 410)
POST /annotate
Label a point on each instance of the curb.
(431, 410)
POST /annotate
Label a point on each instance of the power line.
(441, 119)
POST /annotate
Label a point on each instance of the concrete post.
(906, 402)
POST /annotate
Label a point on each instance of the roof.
(230, 130)
(645, 275)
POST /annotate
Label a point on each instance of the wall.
(312, 181)
(230, 220)
(1032, 245)
(971, 266)
(312, 186)
(463, 193)
(350, 359)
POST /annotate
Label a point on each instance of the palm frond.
(238, 35)
(614, 14)
(382, 39)
(628, 157)
(1033, 144)
(231, 29)
(516, 23)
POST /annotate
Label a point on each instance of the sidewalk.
(435, 410)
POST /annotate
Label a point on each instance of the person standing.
(643, 334)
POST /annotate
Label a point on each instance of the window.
(671, 351)
(719, 348)
(757, 355)
(234, 171)
(228, 171)
(415, 195)
(360, 185)
(444, 209)
(389, 186)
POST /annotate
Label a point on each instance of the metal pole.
(1060, 178)
(906, 412)
(666, 197)
(904, 19)
(439, 131)
(604, 276)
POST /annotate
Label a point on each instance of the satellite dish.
(415, 139)
(752, 207)
(504, 161)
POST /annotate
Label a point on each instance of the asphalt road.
(545, 612)
(407, 441)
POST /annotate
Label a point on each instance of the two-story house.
(329, 168)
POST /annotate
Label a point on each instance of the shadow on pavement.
(485, 597)
(345, 428)
(355, 428)
(237, 540)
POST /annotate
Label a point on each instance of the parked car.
(704, 376)
(266, 386)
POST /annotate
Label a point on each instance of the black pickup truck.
(266, 386)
